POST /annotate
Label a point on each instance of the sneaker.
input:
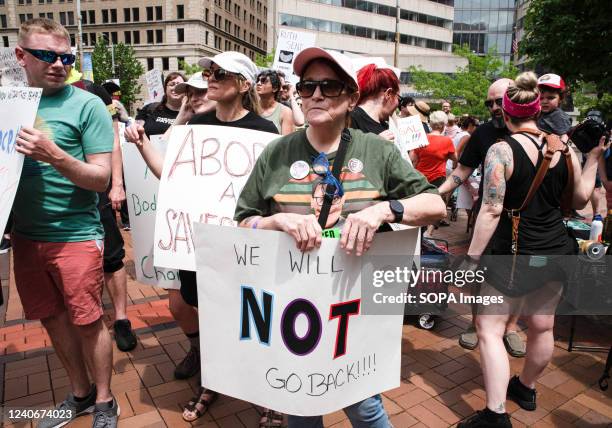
(521, 394)
(5, 245)
(469, 338)
(124, 336)
(486, 419)
(105, 416)
(70, 409)
(189, 366)
(515, 345)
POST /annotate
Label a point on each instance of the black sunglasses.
(329, 88)
(220, 74)
(50, 56)
(489, 103)
(262, 80)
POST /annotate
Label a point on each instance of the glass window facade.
(485, 25)
(359, 31)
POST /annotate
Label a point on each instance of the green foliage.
(572, 38)
(188, 69)
(468, 86)
(266, 61)
(127, 69)
(585, 99)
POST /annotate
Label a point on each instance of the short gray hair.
(438, 120)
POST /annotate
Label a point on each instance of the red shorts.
(53, 277)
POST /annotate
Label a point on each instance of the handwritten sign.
(18, 107)
(141, 193)
(284, 329)
(155, 85)
(11, 73)
(289, 44)
(409, 133)
(205, 169)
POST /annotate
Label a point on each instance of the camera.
(586, 134)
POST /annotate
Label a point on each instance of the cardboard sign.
(289, 44)
(11, 73)
(155, 85)
(205, 169)
(284, 329)
(409, 133)
(141, 193)
(18, 107)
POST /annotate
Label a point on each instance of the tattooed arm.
(498, 168)
(457, 177)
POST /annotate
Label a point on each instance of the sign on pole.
(87, 67)
(205, 169)
(286, 330)
(11, 73)
(289, 44)
(155, 85)
(18, 107)
(141, 193)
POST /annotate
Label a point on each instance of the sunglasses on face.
(489, 103)
(220, 74)
(262, 80)
(50, 57)
(329, 88)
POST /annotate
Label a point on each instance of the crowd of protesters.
(66, 240)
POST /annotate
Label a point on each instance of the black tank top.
(541, 229)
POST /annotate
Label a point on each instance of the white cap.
(552, 80)
(310, 54)
(196, 81)
(234, 62)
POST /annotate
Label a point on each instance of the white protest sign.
(18, 107)
(205, 169)
(141, 194)
(11, 73)
(409, 133)
(289, 44)
(155, 85)
(284, 329)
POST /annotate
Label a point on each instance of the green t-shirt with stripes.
(373, 171)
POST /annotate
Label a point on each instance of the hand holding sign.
(305, 229)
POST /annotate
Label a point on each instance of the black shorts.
(113, 241)
(189, 287)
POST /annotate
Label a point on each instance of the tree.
(468, 84)
(127, 69)
(266, 61)
(188, 69)
(572, 38)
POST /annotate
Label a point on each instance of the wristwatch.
(397, 209)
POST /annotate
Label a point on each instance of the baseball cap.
(551, 80)
(420, 108)
(234, 62)
(196, 81)
(310, 54)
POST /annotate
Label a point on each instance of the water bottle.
(596, 228)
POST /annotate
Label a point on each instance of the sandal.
(271, 419)
(199, 404)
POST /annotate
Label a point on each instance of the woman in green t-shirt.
(383, 187)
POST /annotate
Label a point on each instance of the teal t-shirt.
(49, 207)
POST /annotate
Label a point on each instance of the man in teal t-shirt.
(57, 236)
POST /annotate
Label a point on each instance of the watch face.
(397, 209)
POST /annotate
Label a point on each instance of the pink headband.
(520, 110)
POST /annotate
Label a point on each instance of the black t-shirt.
(249, 121)
(362, 121)
(157, 118)
(479, 143)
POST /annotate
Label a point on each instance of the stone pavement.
(441, 383)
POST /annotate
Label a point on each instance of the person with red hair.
(378, 99)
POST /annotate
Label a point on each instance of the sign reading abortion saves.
(18, 107)
(205, 169)
(285, 329)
